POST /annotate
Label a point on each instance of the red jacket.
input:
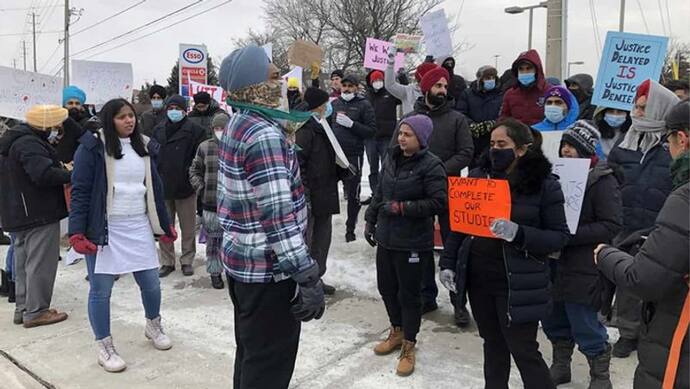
(525, 103)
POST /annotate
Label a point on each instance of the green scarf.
(680, 170)
(275, 114)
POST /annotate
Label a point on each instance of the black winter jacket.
(420, 183)
(385, 108)
(576, 275)
(361, 112)
(203, 119)
(481, 109)
(176, 155)
(658, 276)
(537, 207)
(31, 180)
(150, 119)
(450, 140)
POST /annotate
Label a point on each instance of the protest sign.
(296, 73)
(408, 44)
(304, 54)
(103, 81)
(474, 203)
(340, 157)
(436, 34)
(376, 55)
(19, 90)
(216, 92)
(627, 60)
(192, 66)
(551, 144)
(572, 174)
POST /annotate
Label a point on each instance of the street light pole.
(496, 60)
(622, 17)
(574, 63)
(529, 36)
(530, 8)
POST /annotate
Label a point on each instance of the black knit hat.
(679, 116)
(202, 98)
(315, 98)
(177, 100)
(337, 72)
(351, 78)
(583, 136)
(157, 89)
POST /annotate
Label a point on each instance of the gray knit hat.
(244, 67)
(583, 136)
(220, 119)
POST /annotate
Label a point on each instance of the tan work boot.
(406, 359)
(392, 343)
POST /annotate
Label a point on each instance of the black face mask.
(501, 159)
(292, 93)
(75, 113)
(436, 100)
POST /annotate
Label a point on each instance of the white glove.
(504, 229)
(391, 57)
(344, 121)
(447, 278)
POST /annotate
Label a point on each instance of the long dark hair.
(112, 139)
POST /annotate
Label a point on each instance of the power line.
(50, 57)
(595, 28)
(661, 16)
(668, 16)
(140, 27)
(21, 9)
(108, 18)
(160, 29)
(644, 18)
(37, 33)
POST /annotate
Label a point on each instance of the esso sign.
(193, 55)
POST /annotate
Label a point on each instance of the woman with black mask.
(507, 277)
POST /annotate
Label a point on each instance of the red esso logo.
(193, 55)
(202, 72)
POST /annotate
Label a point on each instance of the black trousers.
(501, 340)
(399, 279)
(266, 333)
(352, 190)
(319, 231)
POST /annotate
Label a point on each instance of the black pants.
(319, 230)
(266, 333)
(399, 278)
(352, 188)
(501, 340)
(429, 287)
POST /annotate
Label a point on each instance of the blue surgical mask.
(175, 115)
(613, 120)
(553, 113)
(157, 104)
(489, 84)
(329, 110)
(526, 78)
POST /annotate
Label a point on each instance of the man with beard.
(65, 139)
(205, 107)
(150, 119)
(451, 141)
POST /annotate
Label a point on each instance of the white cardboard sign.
(103, 81)
(19, 90)
(437, 34)
(572, 173)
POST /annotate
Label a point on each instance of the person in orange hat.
(32, 203)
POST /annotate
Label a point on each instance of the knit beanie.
(177, 100)
(292, 82)
(46, 116)
(315, 97)
(583, 136)
(559, 91)
(337, 73)
(73, 92)
(423, 69)
(487, 71)
(422, 127)
(432, 77)
(202, 98)
(679, 116)
(351, 78)
(244, 67)
(220, 119)
(159, 90)
(376, 75)
(554, 81)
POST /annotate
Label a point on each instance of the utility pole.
(556, 48)
(621, 23)
(24, 53)
(65, 77)
(14, 63)
(33, 23)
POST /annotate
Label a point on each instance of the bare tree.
(280, 45)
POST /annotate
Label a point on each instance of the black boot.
(11, 296)
(4, 284)
(599, 370)
(562, 356)
(624, 347)
(217, 281)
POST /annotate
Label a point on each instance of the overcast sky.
(483, 24)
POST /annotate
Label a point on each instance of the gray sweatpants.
(36, 253)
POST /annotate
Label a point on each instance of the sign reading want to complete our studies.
(627, 61)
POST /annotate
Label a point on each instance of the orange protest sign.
(475, 202)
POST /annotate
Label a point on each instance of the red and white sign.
(217, 93)
(193, 60)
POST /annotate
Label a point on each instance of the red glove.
(82, 245)
(394, 208)
(168, 239)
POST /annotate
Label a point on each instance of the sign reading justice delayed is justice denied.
(474, 203)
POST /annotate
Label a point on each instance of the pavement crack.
(26, 370)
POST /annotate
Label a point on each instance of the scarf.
(680, 170)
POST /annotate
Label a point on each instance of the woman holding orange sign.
(505, 268)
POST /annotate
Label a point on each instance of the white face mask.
(347, 96)
(219, 134)
(52, 137)
(377, 85)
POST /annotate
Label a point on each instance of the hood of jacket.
(533, 57)
(11, 135)
(474, 86)
(569, 119)
(584, 81)
(601, 169)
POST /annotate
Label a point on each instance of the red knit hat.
(376, 75)
(642, 90)
(432, 77)
(422, 69)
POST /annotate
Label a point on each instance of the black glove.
(369, 231)
(394, 208)
(310, 302)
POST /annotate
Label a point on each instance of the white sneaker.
(154, 331)
(108, 356)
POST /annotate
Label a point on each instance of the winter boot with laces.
(392, 343)
(562, 356)
(108, 357)
(599, 370)
(154, 331)
(406, 360)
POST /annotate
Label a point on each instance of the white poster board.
(19, 90)
(551, 144)
(297, 73)
(340, 157)
(437, 34)
(572, 173)
(103, 81)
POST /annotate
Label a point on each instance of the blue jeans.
(9, 260)
(99, 296)
(576, 322)
(376, 150)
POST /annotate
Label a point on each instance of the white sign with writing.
(103, 81)
(551, 144)
(437, 34)
(19, 90)
(572, 173)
